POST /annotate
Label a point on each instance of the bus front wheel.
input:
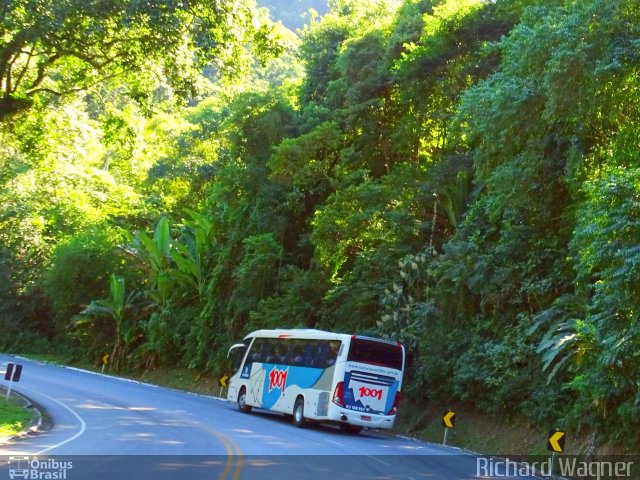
(298, 413)
(242, 401)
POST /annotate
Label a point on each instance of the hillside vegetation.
(459, 175)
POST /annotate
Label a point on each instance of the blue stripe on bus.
(302, 377)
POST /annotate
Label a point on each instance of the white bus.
(349, 380)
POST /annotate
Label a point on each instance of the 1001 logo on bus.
(278, 379)
(371, 392)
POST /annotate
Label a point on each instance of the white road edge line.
(83, 425)
(122, 379)
(378, 460)
(335, 443)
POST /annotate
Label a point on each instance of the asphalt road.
(113, 428)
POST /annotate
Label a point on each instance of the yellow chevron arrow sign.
(223, 380)
(556, 441)
(449, 419)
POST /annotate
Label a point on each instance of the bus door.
(253, 372)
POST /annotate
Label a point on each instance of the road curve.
(124, 429)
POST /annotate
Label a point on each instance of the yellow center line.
(233, 449)
(236, 474)
(227, 467)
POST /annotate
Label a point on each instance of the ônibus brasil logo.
(278, 379)
(38, 469)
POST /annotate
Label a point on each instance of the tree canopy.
(60, 47)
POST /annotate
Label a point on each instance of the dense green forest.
(459, 175)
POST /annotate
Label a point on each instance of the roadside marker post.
(448, 421)
(12, 374)
(105, 361)
(555, 444)
(223, 383)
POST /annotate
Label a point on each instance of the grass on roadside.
(179, 378)
(474, 431)
(14, 418)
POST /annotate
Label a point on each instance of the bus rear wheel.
(298, 413)
(242, 401)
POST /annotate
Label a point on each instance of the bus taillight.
(337, 395)
(396, 402)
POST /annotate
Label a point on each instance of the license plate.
(365, 418)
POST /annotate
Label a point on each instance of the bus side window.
(254, 354)
(286, 357)
(297, 352)
(278, 351)
(309, 349)
(322, 357)
(267, 351)
(332, 356)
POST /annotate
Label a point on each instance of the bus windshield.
(375, 353)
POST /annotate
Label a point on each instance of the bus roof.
(307, 333)
(312, 334)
